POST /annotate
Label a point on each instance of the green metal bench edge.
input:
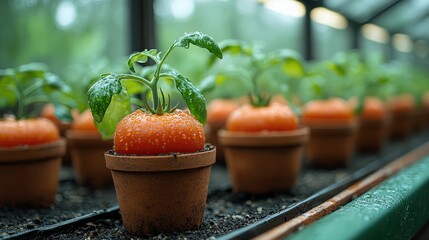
(396, 209)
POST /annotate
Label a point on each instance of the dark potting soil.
(226, 211)
(72, 201)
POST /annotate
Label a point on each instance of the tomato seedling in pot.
(262, 141)
(30, 148)
(159, 163)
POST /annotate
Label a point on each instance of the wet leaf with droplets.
(192, 96)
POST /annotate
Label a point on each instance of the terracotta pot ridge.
(40, 152)
(151, 163)
(266, 138)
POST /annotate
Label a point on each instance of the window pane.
(62, 33)
(222, 19)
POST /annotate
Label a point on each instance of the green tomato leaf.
(53, 83)
(316, 88)
(192, 96)
(101, 93)
(118, 108)
(208, 84)
(200, 40)
(232, 47)
(62, 112)
(142, 57)
(337, 68)
(27, 74)
(293, 68)
(289, 60)
(7, 88)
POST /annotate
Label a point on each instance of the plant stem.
(152, 85)
(154, 81)
(129, 77)
(35, 99)
(32, 88)
(21, 104)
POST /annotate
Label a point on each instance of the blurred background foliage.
(79, 39)
(63, 34)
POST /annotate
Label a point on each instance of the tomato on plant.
(218, 110)
(374, 108)
(84, 122)
(402, 104)
(21, 89)
(27, 132)
(156, 129)
(148, 134)
(334, 108)
(274, 117)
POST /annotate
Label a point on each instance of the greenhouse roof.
(410, 17)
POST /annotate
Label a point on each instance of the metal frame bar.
(142, 25)
(381, 11)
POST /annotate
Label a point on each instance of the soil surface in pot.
(225, 211)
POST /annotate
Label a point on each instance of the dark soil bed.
(225, 212)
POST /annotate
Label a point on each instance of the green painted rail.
(396, 209)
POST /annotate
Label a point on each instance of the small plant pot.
(420, 119)
(372, 134)
(331, 143)
(211, 134)
(29, 175)
(263, 162)
(87, 152)
(402, 125)
(162, 193)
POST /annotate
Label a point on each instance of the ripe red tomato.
(374, 108)
(84, 122)
(275, 117)
(402, 104)
(218, 111)
(334, 108)
(27, 132)
(149, 134)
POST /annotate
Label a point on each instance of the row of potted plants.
(158, 158)
(346, 102)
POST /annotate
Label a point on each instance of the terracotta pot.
(263, 162)
(87, 152)
(211, 135)
(29, 175)
(372, 134)
(402, 125)
(162, 193)
(420, 119)
(332, 143)
(402, 109)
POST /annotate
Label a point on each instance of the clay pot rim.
(265, 138)
(331, 124)
(375, 121)
(160, 163)
(27, 153)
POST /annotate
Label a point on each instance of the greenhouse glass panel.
(273, 26)
(404, 16)
(359, 10)
(62, 33)
(325, 36)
